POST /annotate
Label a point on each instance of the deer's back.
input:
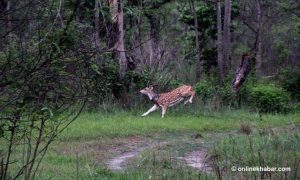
(174, 95)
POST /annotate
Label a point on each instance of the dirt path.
(198, 160)
(118, 163)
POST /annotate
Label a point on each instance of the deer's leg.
(191, 96)
(150, 110)
(164, 109)
(186, 102)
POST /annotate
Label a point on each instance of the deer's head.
(147, 90)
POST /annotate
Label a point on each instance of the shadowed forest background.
(74, 62)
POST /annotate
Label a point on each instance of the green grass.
(120, 124)
(99, 136)
(264, 149)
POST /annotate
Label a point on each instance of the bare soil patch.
(198, 159)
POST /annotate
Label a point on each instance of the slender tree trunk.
(116, 43)
(258, 48)
(197, 57)
(106, 23)
(8, 6)
(121, 46)
(117, 34)
(97, 29)
(9, 23)
(226, 35)
(219, 44)
(138, 35)
(154, 22)
(241, 74)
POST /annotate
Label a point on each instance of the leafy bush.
(269, 98)
(290, 81)
(174, 83)
(207, 89)
(244, 93)
(225, 91)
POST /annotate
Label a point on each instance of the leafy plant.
(205, 88)
(269, 98)
(290, 81)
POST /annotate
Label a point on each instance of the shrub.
(208, 89)
(244, 93)
(205, 88)
(174, 83)
(225, 91)
(290, 81)
(269, 98)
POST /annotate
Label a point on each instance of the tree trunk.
(116, 41)
(154, 22)
(155, 27)
(121, 46)
(226, 35)
(241, 74)
(9, 23)
(258, 45)
(138, 35)
(97, 39)
(219, 44)
(197, 57)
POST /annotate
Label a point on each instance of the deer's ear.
(151, 88)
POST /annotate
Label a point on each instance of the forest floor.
(183, 145)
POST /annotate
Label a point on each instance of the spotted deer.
(168, 99)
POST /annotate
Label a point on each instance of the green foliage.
(102, 79)
(269, 98)
(282, 50)
(206, 15)
(174, 83)
(207, 89)
(244, 93)
(290, 81)
(139, 80)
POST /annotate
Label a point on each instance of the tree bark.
(219, 44)
(258, 45)
(138, 33)
(117, 34)
(155, 27)
(226, 35)
(121, 46)
(197, 57)
(97, 29)
(154, 22)
(9, 14)
(241, 74)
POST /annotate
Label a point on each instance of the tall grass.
(264, 149)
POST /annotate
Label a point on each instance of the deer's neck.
(152, 95)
